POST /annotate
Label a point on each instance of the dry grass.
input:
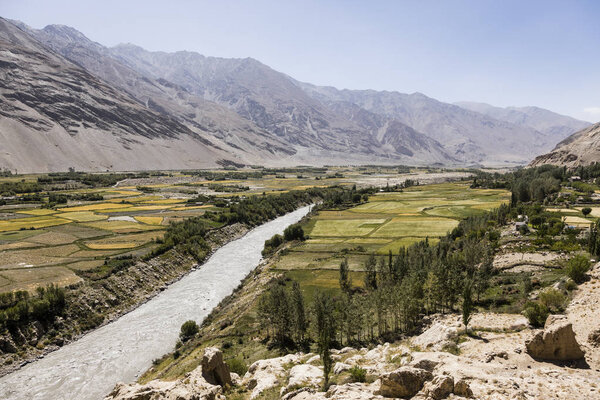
(30, 278)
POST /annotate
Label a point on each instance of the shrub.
(576, 268)
(570, 285)
(536, 313)
(358, 374)
(238, 366)
(188, 330)
(586, 211)
(553, 299)
(293, 232)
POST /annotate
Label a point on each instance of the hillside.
(270, 100)
(125, 108)
(581, 148)
(555, 126)
(57, 115)
(470, 136)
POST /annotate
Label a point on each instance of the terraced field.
(386, 222)
(39, 246)
(61, 241)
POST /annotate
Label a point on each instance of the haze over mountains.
(68, 101)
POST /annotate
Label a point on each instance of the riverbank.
(89, 367)
(110, 299)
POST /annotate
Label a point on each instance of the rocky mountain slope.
(56, 115)
(470, 136)
(233, 133)
(555, 126)
(269, 99)
(581, 148)
(185, 110)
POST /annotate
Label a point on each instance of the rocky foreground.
(505, 359)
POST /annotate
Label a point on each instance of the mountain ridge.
(243, 111)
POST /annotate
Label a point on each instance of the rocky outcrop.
(556, 342)
(581, 148)
(462, 388)
(440, 387)
(438, 336)
(404, 382)
(194, 386)
(266, 374)
(304, 375)
(214, 370)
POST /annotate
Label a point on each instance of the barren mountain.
(469, 136)
(128, 108)
(581, 148)
(227, 129)
(272, 101)
(554, 126)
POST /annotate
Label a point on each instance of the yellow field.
(150, 220)
(92, 207)
(578, 221)
(38, 211)
(33, 222)
(83, 216)
(120, 226)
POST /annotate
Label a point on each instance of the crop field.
(57, 241)
(387, 222)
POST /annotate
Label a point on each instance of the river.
(120, 351)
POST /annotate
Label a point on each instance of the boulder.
(214, 370)
(438, 336)
(556, 342)
(193, 387)
(352, 391)
(266, 374)
(424, 363)
(440, 387)
(340, 367)
(404, 382)
(301, 394)
(305, 375)
(462, 388)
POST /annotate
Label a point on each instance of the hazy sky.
(503, 52)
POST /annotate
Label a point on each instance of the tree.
(431, 289)
(188, 330)
(576, 268)
(293, 232)
(345, 278)
(300, 323)
(325, 326)
(371, 273)
(586, 211)
(467, 305)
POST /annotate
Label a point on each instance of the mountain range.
(67, 101)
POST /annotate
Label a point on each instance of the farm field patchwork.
(387, 222)
(123, 219)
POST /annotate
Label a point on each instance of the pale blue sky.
(503, 52)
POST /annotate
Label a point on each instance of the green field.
(387, 222)
(76, 235)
